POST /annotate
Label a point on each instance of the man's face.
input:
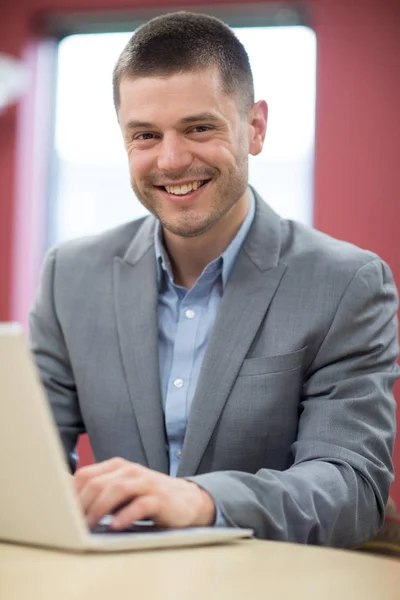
(188, 147)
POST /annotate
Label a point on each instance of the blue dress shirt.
(185, 322)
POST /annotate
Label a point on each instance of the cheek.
(218, 155)
(140, 165)
(230, 158)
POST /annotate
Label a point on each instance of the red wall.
(357, 171)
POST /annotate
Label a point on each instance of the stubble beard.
(229, 189)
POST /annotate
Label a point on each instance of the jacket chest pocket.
(264, 402)
(272, 364)
(259, 421)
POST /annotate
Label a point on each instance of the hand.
(133, 492)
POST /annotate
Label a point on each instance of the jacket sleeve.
(51, 356)
(336, 490)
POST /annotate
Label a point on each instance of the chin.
(187, 230)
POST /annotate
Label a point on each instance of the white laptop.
(38, 505)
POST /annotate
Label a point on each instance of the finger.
(95, 487)
(92, 489)
(143, 507)
(117, 492)
(85, 474)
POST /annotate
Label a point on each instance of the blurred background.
(329, 70)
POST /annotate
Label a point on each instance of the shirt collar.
(227, 258)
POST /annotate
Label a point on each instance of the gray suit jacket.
(292, 425)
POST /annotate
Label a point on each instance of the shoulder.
(324, 269)
(98, 248)
(306, 249)
(306, 252)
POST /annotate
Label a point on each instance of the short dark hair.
(182, 42)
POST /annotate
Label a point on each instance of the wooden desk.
(242, 570)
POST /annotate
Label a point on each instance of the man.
(230, 367)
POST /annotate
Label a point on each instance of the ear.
(257, 122)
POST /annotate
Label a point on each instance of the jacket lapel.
(136, 301)
(250, 289)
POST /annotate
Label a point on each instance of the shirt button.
(178, 383)
(189, 314)
(178, 453)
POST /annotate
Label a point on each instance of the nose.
(173, 153)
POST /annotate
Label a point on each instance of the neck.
(190, 256)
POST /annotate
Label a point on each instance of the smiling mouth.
(185, 189)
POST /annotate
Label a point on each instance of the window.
(91, 190)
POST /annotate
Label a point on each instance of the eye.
(201, 128)
(145, 136)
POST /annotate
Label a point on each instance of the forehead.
(154, 99)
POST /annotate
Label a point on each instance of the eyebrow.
(205, 116)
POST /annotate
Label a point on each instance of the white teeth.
(181, 190)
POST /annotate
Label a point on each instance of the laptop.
(38, 505)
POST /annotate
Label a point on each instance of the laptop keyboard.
(139, 527)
